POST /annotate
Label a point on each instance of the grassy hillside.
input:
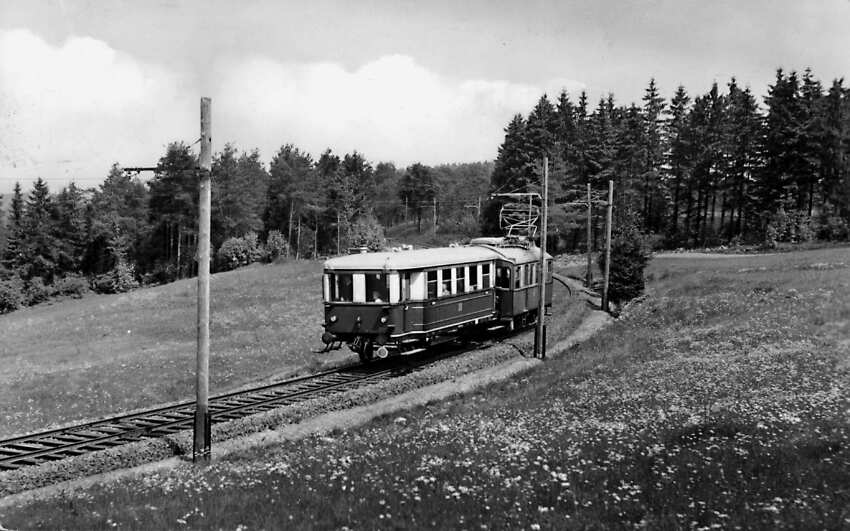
(109, 353)
(720, 401)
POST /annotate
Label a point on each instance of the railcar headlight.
(384, 319)
(332, 318)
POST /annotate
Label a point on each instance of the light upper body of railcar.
(392, 277)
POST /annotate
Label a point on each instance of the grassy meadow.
(103, 354)
(719, 401)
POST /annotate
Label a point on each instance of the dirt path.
(692, 254)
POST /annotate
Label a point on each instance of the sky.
(84, 84)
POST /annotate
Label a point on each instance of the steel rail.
(59, 443)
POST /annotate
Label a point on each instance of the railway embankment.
(573, 320)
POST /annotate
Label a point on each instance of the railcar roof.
(425, 258)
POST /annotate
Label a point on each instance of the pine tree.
(340, 198)
(514, 171)
(579, 154)
(629, 163)
(14, 228)
(812, 140)
(565, 120)
(835, 161)
(743, 137)
(603, 139)
(387, 207)
(38, 250)
(783, 159)
(3, 223)
(290, 168)
(653, 152)
(541, 129)
(117, 223)
(417, 190)
(70, 225)
(173, 210)
(361, 178)
(679, 154)
(238, 195)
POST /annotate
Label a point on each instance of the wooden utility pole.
(435, 215)
(540, 336)
(588, 279)
(289, 227)
(608, 223)
(337, 233)
(201, 447)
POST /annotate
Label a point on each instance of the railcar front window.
(432, 284)
(329, 287)
(503, 278)
(343, 289)
(377, 289)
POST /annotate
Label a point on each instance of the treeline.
(697, 170)
(128, 231)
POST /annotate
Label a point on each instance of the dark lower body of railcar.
(375, 330)
(383, 330)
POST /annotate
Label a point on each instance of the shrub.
(71, 286)
(276, 245)
(834, 228)
(237, 252)
(629, 257)
(120, 279)
(35, 291)
(11, 294)
(792, 227)
(368, 232)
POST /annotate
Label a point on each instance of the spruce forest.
(723, 167)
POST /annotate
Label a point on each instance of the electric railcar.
(390, 303)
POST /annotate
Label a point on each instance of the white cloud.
(67, 112)
(389, 109)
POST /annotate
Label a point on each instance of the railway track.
(57, 444)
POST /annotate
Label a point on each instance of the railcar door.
(504, 300)
(407, 323)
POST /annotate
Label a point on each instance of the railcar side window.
(485, 276)
(343, 288)
(473, 278)
(447, 283)
(432, 284)
(517, 277)
(377, 289)
(461, 279)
